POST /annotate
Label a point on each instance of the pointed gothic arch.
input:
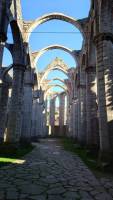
(55, 64)
(37, 54)
(57, 79)
(52, 86)
(51, 16)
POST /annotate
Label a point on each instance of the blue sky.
(33, 9)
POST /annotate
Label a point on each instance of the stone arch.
(57, 79)
(62, 81)
(18, 45)
(52, 47)
(57, 85)
(55, 64)
(16, 32)
(52, 86)
(52, 16)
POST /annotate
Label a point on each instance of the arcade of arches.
(27, 102)
(81, 108)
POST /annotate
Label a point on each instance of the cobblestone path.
(50, 173)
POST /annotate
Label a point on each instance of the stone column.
(81, 88)
(44, 125)
(40, 118)
(52, 114)
(16, 104)
(35, 120)
(46, 117)
(82, 114)
(27, 107)
(76, 118)
(70, 115)
(71, 121)
(1, 52)
(4, 91)
(104, 67)
(79, 113)
(61, 113)
(42, 128)
(91, 107)
(68, 111)
(46, 110)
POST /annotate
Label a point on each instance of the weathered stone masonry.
(89, 87)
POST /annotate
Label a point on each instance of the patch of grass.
(89, 158)
(9, 153)
(7, 160)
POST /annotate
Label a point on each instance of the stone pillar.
(44, 125)
(79, 113)
(71, 121)
(42, 129)
(104, 67)
(16, 104)
(35, 120)
(68, 111)
(1, 52)
(27, 107)
(82, 114)
(91, 107)
(46, 117)
(38, 118)
(4, 91)
(52, 114)
(76, 117)
(81, 94)
(34, 123)
(61, 113)
(46, 110)
(70, 115)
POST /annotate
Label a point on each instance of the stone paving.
(50, 173)
(107, 184)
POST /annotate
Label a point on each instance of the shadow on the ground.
(12, 153)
